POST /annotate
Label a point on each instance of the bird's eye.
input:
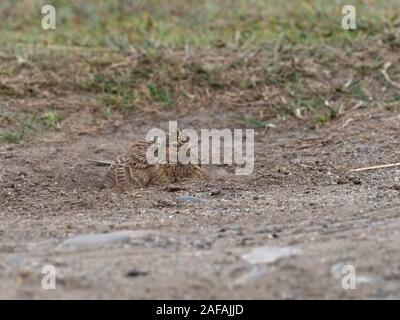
(153, 139)
(182, 137)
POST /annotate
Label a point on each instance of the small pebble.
(190, 199)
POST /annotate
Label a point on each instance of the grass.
(52, 119)
(28, 127)
(176, 23)
(13, 136)
(266, 60)
(160, 94)
(320, 119)
(32, 125)
(393, 104)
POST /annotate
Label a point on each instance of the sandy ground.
(301, 206)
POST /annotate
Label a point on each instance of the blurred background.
(176, 23)
(267, 60)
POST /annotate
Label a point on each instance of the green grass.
(119, 93)
(123, 101)
(32, 125)
(52, 119)
(253, 122)
(13, 136)
(160, 94)
(153, 23)
(266, 60)
(28, 127)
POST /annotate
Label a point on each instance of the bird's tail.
(100, 163)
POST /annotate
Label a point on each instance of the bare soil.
(300, 195)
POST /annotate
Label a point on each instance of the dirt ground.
(300, 196)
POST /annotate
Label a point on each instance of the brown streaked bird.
(132, 168)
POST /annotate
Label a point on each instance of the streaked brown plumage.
(133, 170)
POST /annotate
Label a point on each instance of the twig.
(391, 165)
(387, 77)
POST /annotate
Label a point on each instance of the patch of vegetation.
(52, 119)
(123, 100)
(33, 125)
(28, 127)
(152, 24)
(263, 59)
(392, 104)
(160, 94)
(13, 136)
(320, 119)
(355, 90)
(119, 93)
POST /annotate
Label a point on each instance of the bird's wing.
(136, 156)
